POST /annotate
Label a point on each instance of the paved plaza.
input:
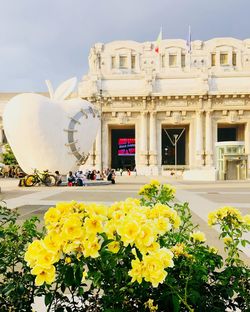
(203, 197)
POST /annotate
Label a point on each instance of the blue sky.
(51, 39)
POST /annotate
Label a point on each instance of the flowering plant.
(17, 285)
(139, 255)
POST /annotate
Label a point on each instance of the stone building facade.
(174, 105)
(177, 103)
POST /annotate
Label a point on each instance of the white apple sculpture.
(50, 133)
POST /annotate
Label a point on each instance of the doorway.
(123, 149)
(174, 147)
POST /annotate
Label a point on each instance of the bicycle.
(40, 178)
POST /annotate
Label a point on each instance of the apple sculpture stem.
(51, 133)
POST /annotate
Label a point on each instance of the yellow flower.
(93, 224)
(91, 248)
(213, 249)
(150, 249)
(128, 231)
(179, 250)
(154, 183)
(153, 270)
(146, 236)
(227, 240)
(43, 274)
(65, 208)
(72, 228)
(114, 247)
(212, 218)
(84, 275)
(227, 211)
(166, 257)
(160, 210)
(162, 225)
(198, 236)
(46, 258)
(52, 216)
(150, 304)
(94, 209)
(136, 271)
(53, 241)
(71, 246)
(34, 249)
(145, 189)
(246, 219)
(68, 260)
(110, 229)
(167, 188)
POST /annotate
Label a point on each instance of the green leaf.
(176, 303)
(97, 277)
(69, 276)
(48, 298)
(106, 242)
(78, 276)
(63, 287)
(80, 291)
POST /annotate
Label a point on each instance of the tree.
(8, 156)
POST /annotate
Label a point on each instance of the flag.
(158, 41)
(189, 44)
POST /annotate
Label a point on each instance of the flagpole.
(189, 39)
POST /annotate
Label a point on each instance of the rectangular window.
(234, 61)
(123, 62)
(172, 60)
(112, 62)
(133, 61)
(223, 59)
(183, 60)
(163, 61)
(213, 59)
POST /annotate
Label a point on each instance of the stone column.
(106, 160)
(152, 138)
(247, 142)
(178, 61)
(230, 58)
(217, 59)
(199, 139)
(143, 138)
(239, 60)
(209, 140)
(137, 62)
(98, 149)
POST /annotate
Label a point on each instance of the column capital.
(199, 113)
(208, 113)
(153, 113)
(144, 113)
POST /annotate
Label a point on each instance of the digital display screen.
(126, 147)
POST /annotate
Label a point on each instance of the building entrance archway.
(174, 145)
(123, 148)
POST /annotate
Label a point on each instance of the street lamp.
(101, 145)
(175, 151)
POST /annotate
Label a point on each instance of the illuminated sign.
(126, 147)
